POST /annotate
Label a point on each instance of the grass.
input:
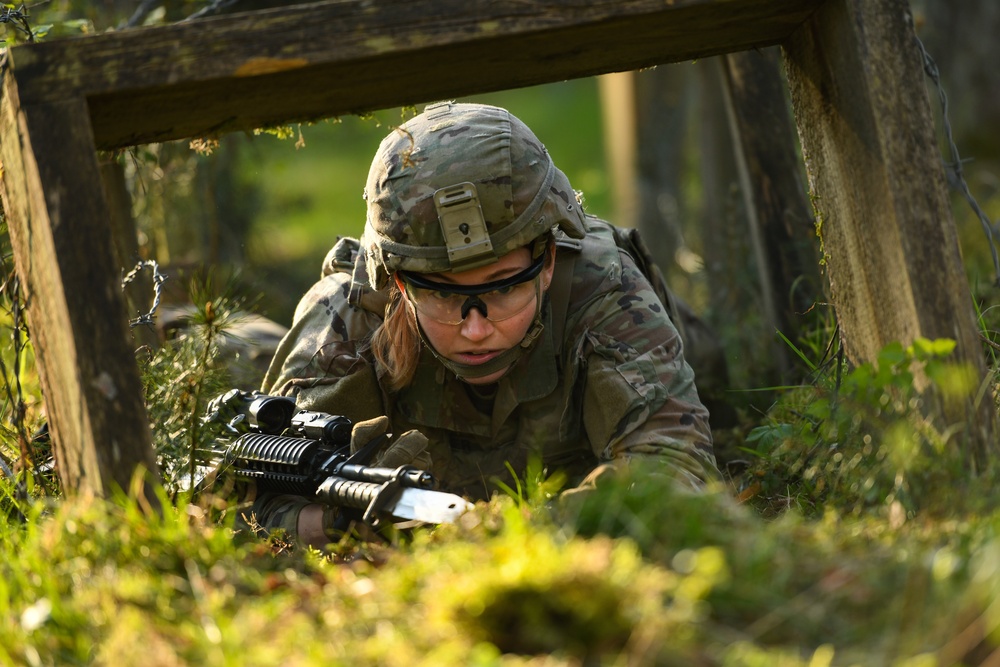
(843, 552)
(827, 562)
(636, 575)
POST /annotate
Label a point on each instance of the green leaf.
(923, 348)
(797, 351)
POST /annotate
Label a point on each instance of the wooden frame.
(64, 100)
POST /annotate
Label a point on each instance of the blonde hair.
(395, 344)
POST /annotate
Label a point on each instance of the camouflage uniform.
(605, 381)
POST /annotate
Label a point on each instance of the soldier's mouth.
(475, 358)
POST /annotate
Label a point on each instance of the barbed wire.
(17, 17)
(158, 278)
(956, 175)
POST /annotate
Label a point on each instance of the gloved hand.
(570, 501)
(602, 472)
(408, 449)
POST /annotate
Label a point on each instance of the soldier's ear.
(550, 266)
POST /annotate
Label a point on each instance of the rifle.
(308, 454)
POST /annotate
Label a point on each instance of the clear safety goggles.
(497, 300)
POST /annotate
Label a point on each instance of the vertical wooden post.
(863, 113)
(58, 221)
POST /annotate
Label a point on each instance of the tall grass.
(636, 574)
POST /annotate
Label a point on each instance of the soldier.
(486, 318)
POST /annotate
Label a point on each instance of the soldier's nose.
(475, 326)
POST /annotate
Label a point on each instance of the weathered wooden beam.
(53, 198)
(863, 113)
(325, 59)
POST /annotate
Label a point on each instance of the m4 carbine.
(308, 454)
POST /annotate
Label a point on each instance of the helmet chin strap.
(505, 359)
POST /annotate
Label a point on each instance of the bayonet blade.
(428, 506)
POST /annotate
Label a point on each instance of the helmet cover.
(459, 186)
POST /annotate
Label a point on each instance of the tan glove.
(408, 449)
(603, 471)
(573, 498)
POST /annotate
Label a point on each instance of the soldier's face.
(476, 339)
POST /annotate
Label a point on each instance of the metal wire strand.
(956, 175)
(158, 278)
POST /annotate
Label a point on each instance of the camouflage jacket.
(606, 381)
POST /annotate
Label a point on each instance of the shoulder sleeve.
(639, 395)
(321, 359)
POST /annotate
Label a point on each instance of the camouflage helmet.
(459, 186)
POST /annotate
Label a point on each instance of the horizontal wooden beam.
(331, 58)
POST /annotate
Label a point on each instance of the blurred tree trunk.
(617, 92)
(645, 128)
(230, 203)
(727, 256)
(663, 96)
(781, 226)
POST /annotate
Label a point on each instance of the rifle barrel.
(408, 476)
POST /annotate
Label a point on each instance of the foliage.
(637, 574)
(856, 585)
(864, 438)
(20, 394)
(18, 23)
(181, 378)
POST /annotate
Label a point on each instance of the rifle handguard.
(370, 497)
(298, 465)
(275, 462)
